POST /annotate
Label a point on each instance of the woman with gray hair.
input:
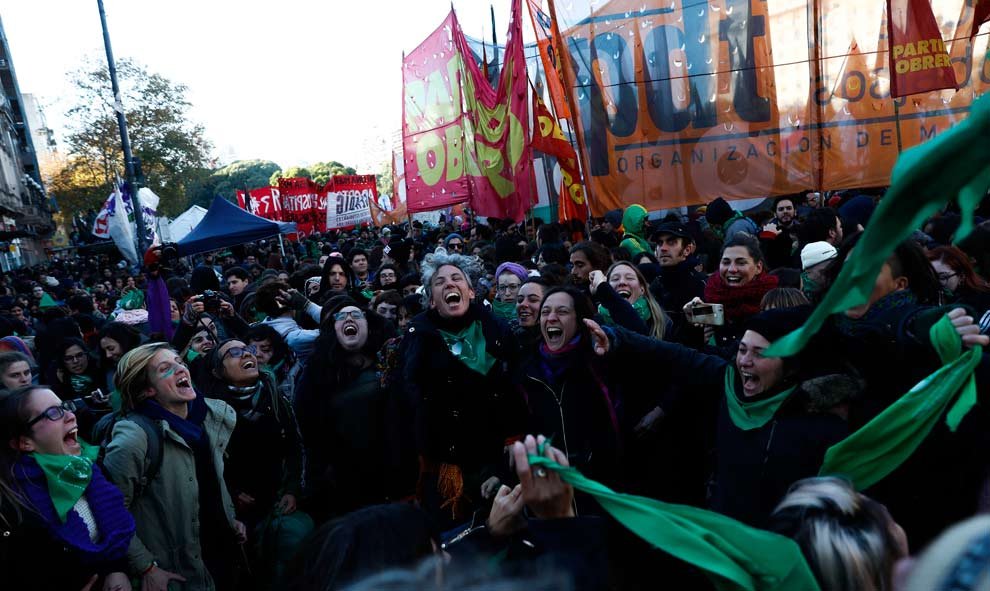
(458, 361)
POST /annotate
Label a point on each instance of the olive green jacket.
(167, 510)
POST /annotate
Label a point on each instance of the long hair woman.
(63, 525)
(625, 282)
(186, 530)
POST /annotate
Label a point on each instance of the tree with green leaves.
(174, 151)
(319, 173)
(227, 180)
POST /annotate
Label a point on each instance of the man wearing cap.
(815, 259)
(678, 282)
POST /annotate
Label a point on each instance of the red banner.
(549, 139)
(299, 197)
(919, 61)
(981, 14)
(462, 139)
(264, 202)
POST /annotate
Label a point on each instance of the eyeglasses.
(238, 352)
(456, 246)
(53, 413)
(344, 315)
(944, 277)
(505, 287)
(76, 357)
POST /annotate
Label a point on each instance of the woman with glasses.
(186, 530)
(958, 278)
(509, 277)
(341, 408)
(264, 466)
(63, 525)
(78, 375)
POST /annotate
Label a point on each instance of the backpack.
(103, 432)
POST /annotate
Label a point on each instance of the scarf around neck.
(67, 476)
(553, 364)
(468, 345)
(504, 310)
(748, 414)
(190, 429)
(106, 502)
(742, 301)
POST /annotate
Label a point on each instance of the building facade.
(25, 212)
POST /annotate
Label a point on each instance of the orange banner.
(678, 102)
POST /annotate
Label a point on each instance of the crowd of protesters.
(360, 410)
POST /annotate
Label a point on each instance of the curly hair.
(469, 265)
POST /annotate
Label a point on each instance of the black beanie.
(776, 323)
(719, 212)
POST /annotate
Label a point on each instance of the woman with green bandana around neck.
(459, 359)
(63, 525)
(771, 426)
(622, 289)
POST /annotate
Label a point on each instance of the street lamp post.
(125, 142)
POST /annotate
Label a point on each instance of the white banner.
(348, 208)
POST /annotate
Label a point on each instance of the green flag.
(955, 165)
(733, 555)
(883, 444)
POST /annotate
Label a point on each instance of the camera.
(711, 314)
(211, 301)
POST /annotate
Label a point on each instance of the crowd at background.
(359, 410)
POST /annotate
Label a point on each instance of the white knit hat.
(815, 253)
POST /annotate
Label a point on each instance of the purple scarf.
(159, 309)
(115, 524)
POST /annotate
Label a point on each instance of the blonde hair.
(845, 536)
(657, 314)
(131, 378)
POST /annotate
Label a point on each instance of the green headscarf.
(883, 444)
(469, 347)
(67, 476)
(750, 415)
(732, 555)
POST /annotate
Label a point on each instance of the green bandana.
(132, 300)
(733, 556)
(641, 306)
(469, 347)
(883, 444)
(953, 166)
(67, 476)
(191, 355)
(504, 310)
(750, 415)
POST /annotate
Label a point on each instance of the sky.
(294, 81)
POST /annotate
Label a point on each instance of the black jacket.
(754, 468)
(676, 286)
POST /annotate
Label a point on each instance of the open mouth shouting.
(184, 386)
(733, 279)
(554, 336)
(350, 329)
(624, 292)
(249, 364)
(71, 439)
(751, 383)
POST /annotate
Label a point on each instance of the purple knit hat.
(514, 268)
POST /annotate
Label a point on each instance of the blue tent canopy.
(225, 225)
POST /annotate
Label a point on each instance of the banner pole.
(281, 246)
(897, 124)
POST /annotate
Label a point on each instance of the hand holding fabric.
(967, 328)
(546, 495)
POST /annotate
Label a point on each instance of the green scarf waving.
(469, 347)
(954, 166)
(734, 556)
(883, 444)
(67, 476)
(641, 306)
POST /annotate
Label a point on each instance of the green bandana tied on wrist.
(733, 555)
(67, 476)
(883, 444)
(750, 415)
(504, 310)
(469, 347)
(953, 166)
(642, 308)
